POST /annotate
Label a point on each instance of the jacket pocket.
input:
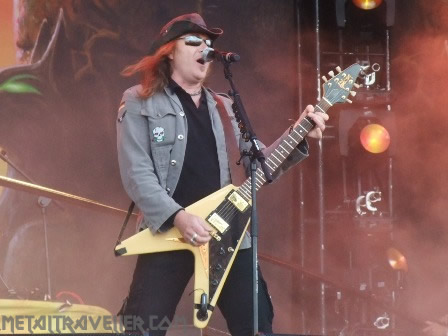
(161, 158)
(162, 128)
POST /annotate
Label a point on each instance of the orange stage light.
(375, 138)
(397, 260)
(367, 4)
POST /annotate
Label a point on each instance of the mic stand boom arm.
(255, 154)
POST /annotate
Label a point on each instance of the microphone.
(210, 54)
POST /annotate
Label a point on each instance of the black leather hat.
(187, 23)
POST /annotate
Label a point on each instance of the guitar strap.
(233, 155)
(123, 227)
(237, 173)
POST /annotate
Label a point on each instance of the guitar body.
(212, 262)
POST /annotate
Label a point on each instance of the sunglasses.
(195, 41)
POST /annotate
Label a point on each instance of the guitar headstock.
(338, 88)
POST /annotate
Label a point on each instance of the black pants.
(160, 279)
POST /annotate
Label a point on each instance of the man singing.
(172, 152)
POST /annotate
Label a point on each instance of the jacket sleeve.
(136, 164)
(298, 154)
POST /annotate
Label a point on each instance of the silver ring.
(193, 239)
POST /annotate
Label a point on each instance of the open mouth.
(200, 61)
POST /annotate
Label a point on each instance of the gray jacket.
(151, 141)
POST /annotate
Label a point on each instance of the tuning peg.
(356, 85)
(324, 79)
(353, 93)
(338, 69)
(331, 73)
(348, 101)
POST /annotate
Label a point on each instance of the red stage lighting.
(375, 138)
(367, 4)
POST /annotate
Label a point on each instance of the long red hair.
(155, 70)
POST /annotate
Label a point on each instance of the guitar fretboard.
(283, 150)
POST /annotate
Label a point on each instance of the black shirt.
(200, 171)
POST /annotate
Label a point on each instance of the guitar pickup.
(218, 223)
(239, 202)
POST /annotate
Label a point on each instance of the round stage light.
(367, 4)
(375, 138)
(397, 260)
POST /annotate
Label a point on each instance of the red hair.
(155, 69)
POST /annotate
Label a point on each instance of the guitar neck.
(283, 150)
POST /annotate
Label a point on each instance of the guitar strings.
(228, 210)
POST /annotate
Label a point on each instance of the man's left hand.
(318, 117)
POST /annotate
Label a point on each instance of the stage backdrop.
(58, 110)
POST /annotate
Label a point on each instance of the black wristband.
(169, 223)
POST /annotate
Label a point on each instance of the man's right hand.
(192, 228)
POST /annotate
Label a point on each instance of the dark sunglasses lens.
(193, 41)
(197, 41)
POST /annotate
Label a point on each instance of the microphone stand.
(4, 157)
(255, 154)
(43, 203)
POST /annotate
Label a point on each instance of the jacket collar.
(169, 90)
(170, 93)
(208, 94)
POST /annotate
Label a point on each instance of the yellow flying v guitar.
(227, 212)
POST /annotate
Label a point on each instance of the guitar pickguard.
(222, 251)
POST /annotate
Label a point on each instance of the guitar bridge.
(239, 202)
(215, 235)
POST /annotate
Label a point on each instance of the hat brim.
(180, 28)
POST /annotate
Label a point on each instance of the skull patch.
(159, 134)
